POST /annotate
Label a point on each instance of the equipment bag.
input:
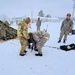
(73, 32)
(68, 47)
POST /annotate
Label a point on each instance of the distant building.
(17, 19)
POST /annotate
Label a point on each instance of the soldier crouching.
(66, 28)
(40, 38)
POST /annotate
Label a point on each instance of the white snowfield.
(53, 61)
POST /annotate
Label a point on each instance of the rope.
(52, 47)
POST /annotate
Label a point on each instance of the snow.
(53, 61)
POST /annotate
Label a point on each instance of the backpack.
(68, 47)
(73, 32)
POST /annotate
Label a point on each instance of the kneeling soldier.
(41, 38)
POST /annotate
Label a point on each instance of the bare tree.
(41, 14)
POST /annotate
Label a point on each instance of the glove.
(45, 37)
(70, 31)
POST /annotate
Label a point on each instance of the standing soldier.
(40, 38)
(23, 34)
(38, 24)
(66, 28)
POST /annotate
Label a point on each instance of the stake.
(46, 28)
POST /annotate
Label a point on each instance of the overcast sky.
(14, 8)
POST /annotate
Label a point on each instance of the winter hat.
(68, 14)
(27, 20)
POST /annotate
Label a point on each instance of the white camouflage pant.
(38, 28)
(40, 45)
(63, 33)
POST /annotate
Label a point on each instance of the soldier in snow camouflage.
(66, 28)
(23, 34)
(38, 24)
(41, 38)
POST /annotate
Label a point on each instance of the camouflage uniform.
(7, 32)
(38, 37)
(65, 28)
(23, 34)
(38, 24)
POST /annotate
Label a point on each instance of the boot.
(22, 54)
(38, 54)
(25, 51)
(59, 41)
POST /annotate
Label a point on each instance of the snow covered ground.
(53, 61)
